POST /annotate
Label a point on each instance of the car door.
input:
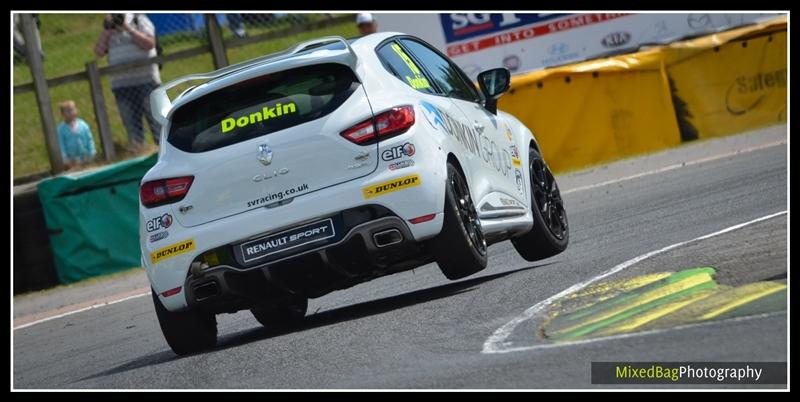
(495, 145)
(398, 62)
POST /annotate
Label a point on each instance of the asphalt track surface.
(418, 330)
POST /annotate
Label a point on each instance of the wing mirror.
(493, 84)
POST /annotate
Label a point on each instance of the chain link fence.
(109, 76)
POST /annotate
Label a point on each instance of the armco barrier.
(605, 109)
(93, 219)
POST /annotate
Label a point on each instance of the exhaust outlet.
(205, 291)
(387, 238)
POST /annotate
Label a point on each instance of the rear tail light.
(165, 191)
(394, 121)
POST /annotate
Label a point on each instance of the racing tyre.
(460, 248)
(186, 332)
(281, 313)
(550, 233)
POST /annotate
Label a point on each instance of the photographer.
(126, 38)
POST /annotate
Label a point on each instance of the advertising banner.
(605, 109)
(523, 42)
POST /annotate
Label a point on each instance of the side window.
(443, 72)
(397, 61)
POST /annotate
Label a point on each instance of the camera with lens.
(116, 20)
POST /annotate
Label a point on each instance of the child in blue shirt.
(74, 136)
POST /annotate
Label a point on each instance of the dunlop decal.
(390, 186)
(171, 251)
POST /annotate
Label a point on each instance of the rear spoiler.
(160, 104)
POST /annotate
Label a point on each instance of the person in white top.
(366, 24)
(125, 38)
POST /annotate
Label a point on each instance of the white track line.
(496, 343)
(605, 183)
(80, 310)
(676, 166)
(640, 333)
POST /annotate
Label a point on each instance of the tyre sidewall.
(555, 242)
(455, 253)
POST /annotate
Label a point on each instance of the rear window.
(260, 106)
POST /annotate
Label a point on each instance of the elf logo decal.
(171, 251)
(266, 113)
(158, 223)
(390, 186)
(399, 151)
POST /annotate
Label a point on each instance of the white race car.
(336, 162)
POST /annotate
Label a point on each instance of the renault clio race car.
(333, 163)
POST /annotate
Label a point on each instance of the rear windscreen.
(260, 106)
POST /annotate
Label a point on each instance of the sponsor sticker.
(266, 113)
(508, 135)
(401, 165)
(390, 186)
(171, 251)
(418, 81)
(277, 196)
(480, 145)
(515, 160)
(158, 236)
(160, 222)
(398, 152)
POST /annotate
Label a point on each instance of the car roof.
(359, 45)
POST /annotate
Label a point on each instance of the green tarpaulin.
(93, 219)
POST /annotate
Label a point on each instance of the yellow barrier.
(620, 106)
(732, 81)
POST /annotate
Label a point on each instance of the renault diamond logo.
(264, 154)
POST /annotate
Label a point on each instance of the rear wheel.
(550, 233)
(278, 313)
(186, 332)
(460, 248)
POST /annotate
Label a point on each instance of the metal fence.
(56, 60)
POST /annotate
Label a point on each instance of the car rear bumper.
(425, 199)
(368, 250)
